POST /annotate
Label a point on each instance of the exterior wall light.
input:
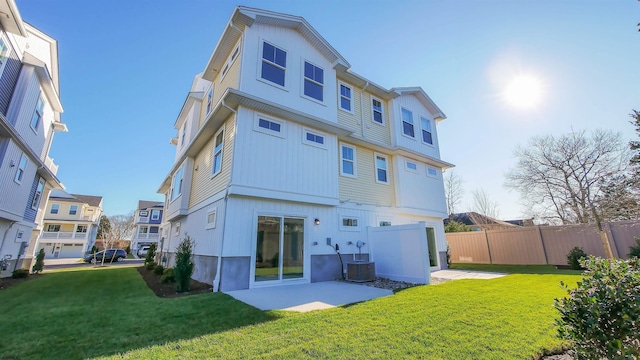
(317, 221)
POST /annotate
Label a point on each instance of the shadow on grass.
(516, 269)
(108, 311)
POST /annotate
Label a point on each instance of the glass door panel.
(268, 249)
(293, 246)
(433, 251)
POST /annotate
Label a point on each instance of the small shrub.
(150, 266)
(151, 254)
(574, 257)
(39, 265)
(128, 249)
(158, 270)
(455, 226)
(184, 264)
(634, 251)
(168, 276)
(20, 274)
(448, 255)
(601, 316)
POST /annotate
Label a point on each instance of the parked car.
(109, 254)
(142, 252)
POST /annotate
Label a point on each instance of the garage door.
(71, 251)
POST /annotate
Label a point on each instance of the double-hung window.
(73, 209)
(347, 160)
(313, 81)
(346, 97)
(4, 53)
(176, 183)
(216, 167)
(209, 100)
(426, 131)
(274, 63)
(376, 111)
(382, 170)
(22, 166)
(183, 134)
(155, 214)
(407, 123)
(55, 208)
(36, 119)
(38, 195)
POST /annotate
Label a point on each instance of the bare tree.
(453, 191)
(120, 227)
(482, 204)
(561, 177)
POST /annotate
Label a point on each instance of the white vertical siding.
(298, 50)
(412, 104)
(416, 190)
(14, 196)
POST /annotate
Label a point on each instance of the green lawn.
(110, 312)
(514, 269)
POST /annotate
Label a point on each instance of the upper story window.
(211, 219)
(53, 228)
(37, 115)
(313, 81)
(431, 172)
(155, 214)
(345, 100)
(22, 166)
(230, 61)
(347, 160)
(382, 172)
(407, 123)
(176, 183)
(426, 130)
(143, 229)
(209, 100)
(269, 126)
(274, 64)
(216, 166)
(55, 208)
(349, 223)
(183, 134)
(4, 53)
(144, 213)
(376, 111)
(38, 195)
(411, 166)
(314, 138)
(73, 209)
(81, 228)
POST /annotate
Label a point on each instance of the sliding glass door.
(279, 248)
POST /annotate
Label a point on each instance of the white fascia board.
(188, 103)
(422, 96)
(240, 190)
(46, 82)
(371, 86)
(10, 18)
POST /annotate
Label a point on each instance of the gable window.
(209, 100)
(349, 223)
(407, 123)
(55, 208)
(431, 172)
(216, 167)
(53, 228)
(313, 138)
(37, 115)
(38, 195)
(345, 97)
(274, 63)
(211, 219)
(155, 214)
(176, 183)
(348, 160)
(376, 110)
(22, 166)
(269, 126)
(426, 130)
(313, 81)
(81, 229)
(411, 166)
(382, 175)
(73, 209)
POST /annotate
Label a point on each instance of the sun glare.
(524, 91)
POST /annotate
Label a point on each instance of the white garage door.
(71, 251)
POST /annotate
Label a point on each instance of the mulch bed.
(169, 290)
(9, 282)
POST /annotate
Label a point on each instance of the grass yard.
(110, 312)
(514, 269)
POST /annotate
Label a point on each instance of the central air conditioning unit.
(361, 271)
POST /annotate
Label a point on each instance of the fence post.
(607, 229)
(488, 247)
(544, 248)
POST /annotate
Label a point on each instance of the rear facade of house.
(30, 111)
(282, 153)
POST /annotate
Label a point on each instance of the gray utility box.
(361, 271)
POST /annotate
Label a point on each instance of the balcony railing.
(48, 162)
(63, 235)
(143, 219)
(147, 235)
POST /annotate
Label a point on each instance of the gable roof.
(426, 101)
(474, 218)
(145, 204)
(91, 200)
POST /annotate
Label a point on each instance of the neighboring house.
(479, 222)
(147, 218)
(70, 225)
(282, 151)
(30, 111)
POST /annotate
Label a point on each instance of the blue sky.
(126, 68)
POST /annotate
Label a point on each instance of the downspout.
(216, 280)
(362, 107)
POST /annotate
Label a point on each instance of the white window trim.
(256, 126)
(155, 212)
(207, 104)
(349, 228)
(355, 161)
(213, 152)
(71, 207)
(375, 166)
(6, 43)
(340, 83)
(36, 199)
(421, 129)
(259, 71)
(41, 118)
(302, 79)
(57, 209)
(406, 166)
(382, 111)
(183, 134)
(173, 198)
(313, 143)
(230, 60)
(209, 225)
(143, 213)
(177, 229)
(432, 176)
(21, 170)
(385, 219)
(402, 125)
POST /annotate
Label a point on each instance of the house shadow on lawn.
(109, 311)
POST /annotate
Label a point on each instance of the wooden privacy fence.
(539, 244)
